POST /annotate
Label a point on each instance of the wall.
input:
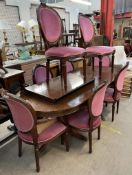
(26, 9)
(11, 14)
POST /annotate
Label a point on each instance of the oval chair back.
(119, 80)
(86, 29)
(105, 61)
(22, 113)
(50, 25)
(39, 74)
(69, 66)
(96, 105)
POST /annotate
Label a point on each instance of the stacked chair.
(87, 34)
(52, 33)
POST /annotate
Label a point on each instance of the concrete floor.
(112, 155)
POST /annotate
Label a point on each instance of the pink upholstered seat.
(109, 95)
(100, 50)
(113, 94)
(89, 119)
(80, 120)
(25, 120)
(63, 52)
(46, 135)
(39, 74)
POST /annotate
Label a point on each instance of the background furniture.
(13, 80)
(5, 115)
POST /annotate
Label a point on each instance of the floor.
(112, 155)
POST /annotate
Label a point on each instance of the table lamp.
(22, 26)
(4, 25)
(32, 26)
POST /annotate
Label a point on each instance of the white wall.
(70, 11)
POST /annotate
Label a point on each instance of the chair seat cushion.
(80, 119)
(45, 135)
(100, 50)
(62, 52)
(109, 95)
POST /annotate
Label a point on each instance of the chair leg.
(99, 128)
(90, 141)
(118, 102)
(36, 150)
(67, 141)
(19, 147)
(106, 104)
(113, 111)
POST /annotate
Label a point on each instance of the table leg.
(93, 64)
(100, 67)
(84, 67)
(78, 135)
(47, 70)
(64, 74)
(112, 66)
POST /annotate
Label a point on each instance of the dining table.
(51, 100)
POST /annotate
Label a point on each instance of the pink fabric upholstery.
(80, 120)
(69, 66)
(100, 50)
(105, 61)
(22, 117)
(40, 74)
(50, 23)
(46, 135)
(64, 51)
(87, 29)
(97, 102)
(109, 95)
(120, 80)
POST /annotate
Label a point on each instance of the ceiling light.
(82, 2)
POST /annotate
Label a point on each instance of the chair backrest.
(22, 113)
(50, 25)
(39, 74)
(119, 80)
(105, 61)
(96, 105)
(69, 66)
(86, 29)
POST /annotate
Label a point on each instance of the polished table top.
(71, 102)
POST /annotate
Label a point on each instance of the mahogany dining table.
(53, 100)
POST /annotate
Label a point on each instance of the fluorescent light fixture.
(82, 2)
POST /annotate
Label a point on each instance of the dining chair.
(39, 74)
(31, 132)
(113, 93)
(87, 34)
(51, 29)
(89, 119)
